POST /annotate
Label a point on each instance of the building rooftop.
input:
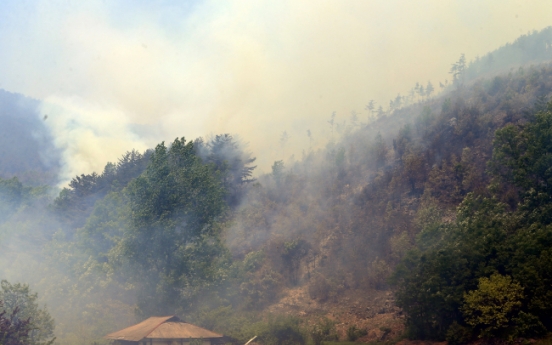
(162, 327)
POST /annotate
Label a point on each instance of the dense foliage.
(172, 239)
(21, 319)
(13, 330)
(489, 269)
(18, 298)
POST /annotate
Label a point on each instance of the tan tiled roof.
(140, 330)
(162, 327)
(178, 330)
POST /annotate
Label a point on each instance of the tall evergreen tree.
(173, 241)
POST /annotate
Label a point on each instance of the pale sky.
(117, 75)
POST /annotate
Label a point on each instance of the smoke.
(27, 148)
(116, 76)
(121, 75)
(91, 134)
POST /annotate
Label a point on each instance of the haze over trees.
(443, 199)
(28, 150)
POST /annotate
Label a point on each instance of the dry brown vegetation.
(329, 230)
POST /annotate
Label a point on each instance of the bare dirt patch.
(372, 310)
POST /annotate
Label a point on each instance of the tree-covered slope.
(487, 273)
(448, 197)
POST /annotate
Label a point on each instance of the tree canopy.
(22, 321)
(488, 270)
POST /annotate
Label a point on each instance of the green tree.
(429, 89)
(75, 203)
(380, 112)
(522, 155)
(105, 226)
(421, 92)
(231, 163)
(443, 286)
(278, 171)
(398, 101)
(458, 70)
(13, 329)
(173, 238)
(18, 298)
(431, 282)
(371, 107)
(12, 194)
(491, 307)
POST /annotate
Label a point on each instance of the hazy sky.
(117, 75)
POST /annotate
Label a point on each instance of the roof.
(140, 330)
(174, 330)
(162, 327)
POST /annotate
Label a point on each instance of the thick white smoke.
(121, 75)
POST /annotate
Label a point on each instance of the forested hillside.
(443, 204)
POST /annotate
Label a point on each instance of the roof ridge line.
(162, 322)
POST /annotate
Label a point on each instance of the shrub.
(353, 333)
(281, 330)
(458, 334)
(528, 325)
(323, 330)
